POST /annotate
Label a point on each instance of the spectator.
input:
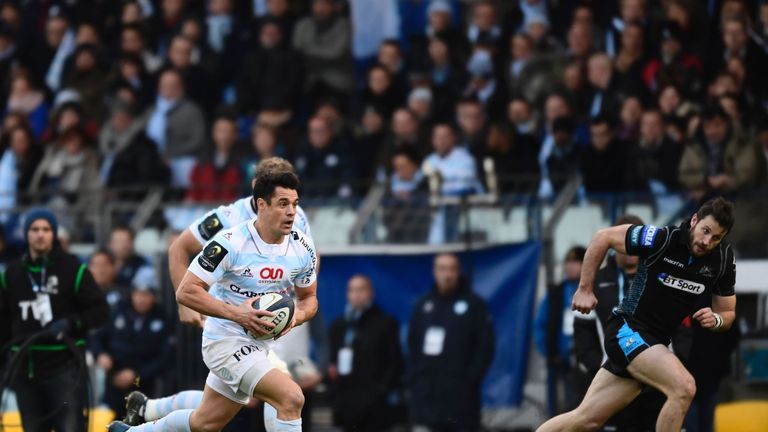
(420, 102)
(381, 92)
(133, 43)
(440, 26)
(390, 55)
(718, 160)
(737, 44)
(279, 12)
(631, 58)
(456, 166)
(674, 66)
(264, 145)
(450, 347)
(69, 114)
(126, 362)
(602, 165)
(177, 126)
(218, 177)
(514, 159)
(88, 79)
(17, 165)
(406, 214)
(405, 134)
(629, 117)
(170, 16)
(527, 74)
(129, 159)
(654, 159)
(564, 160)
(269, 78)
(324, 164)
(472, 126)
(630, 11)
(553, 331)
(129, 72)
(69, 171)
(483, 27)
(57, 44)
(447, 79)
(324, 40)
(27, 99)
(128, 262)
(366, 366)
(102, 267)
(49, 293)
(369, 143)
(605, 91)
(200, 85)
(483, 85)
(521, 116)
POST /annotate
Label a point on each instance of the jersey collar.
(251, 209)
(262, 246)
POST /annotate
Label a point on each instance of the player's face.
(278, 215)
(40, 237)
(705, 235)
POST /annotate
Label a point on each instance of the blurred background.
(506, 132)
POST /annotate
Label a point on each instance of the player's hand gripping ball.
(282, 306)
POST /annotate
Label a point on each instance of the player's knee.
(688, 388)
(291, 401)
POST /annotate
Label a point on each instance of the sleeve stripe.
(79, 278)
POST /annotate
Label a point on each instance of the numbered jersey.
(237, 265)
(229, 215)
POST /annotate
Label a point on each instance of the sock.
(177, 421)
(159, 408)
(270, 416)
(288, 425)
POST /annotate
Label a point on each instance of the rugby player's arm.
(180, 253)
(726, 307)
(306, 303)
(584, 299)
(193, 293)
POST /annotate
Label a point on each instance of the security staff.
(48, 291)
(450, 347)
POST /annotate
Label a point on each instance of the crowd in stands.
(635, 95)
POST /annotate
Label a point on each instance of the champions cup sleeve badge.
(212, 256)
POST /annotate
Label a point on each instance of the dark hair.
(106, 252)
(122, 227)
(563, 124)
(576, 253)
(266, 182)
(602, 119)
(720, 209)
(629, 219)
(713, 111)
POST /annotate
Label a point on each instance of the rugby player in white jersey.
(231, 264)
(141, 409)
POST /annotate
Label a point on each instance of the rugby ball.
(279, 304)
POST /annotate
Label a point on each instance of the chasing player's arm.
(193, 293)
(179, 253)
(584, 299)
(306, 303)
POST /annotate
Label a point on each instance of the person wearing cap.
(50, 295)
(135, 347)
(483, 84)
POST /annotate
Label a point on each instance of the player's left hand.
(705, 317)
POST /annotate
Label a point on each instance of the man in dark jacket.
(50, 292)
(129, 364)
(450, 345)
(366, 366)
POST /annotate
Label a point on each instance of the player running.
(677, 266)
(231, 265)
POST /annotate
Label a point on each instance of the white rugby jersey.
(227, 216)
(237, 264)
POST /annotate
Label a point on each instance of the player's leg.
(140, 409)
(214, 412)
(658, 367)
(270, 413)
(607, 394)
(279, 390)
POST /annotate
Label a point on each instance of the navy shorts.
(624, 342)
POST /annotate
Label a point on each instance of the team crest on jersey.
(210, 226)
(212, 256)
(705, 271)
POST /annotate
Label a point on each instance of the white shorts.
(237, 364)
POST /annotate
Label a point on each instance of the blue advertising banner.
(505, 276)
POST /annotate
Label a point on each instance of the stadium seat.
(331, 225)
(149, 242)
(576, 227)
(643, 211)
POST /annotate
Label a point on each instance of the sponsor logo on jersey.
(673, 262)
(246, 273)
(271, 274)
(634, 236)
(649, 235)
(212, 256)
(681, 284)
(227, 235)
(244, 351)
